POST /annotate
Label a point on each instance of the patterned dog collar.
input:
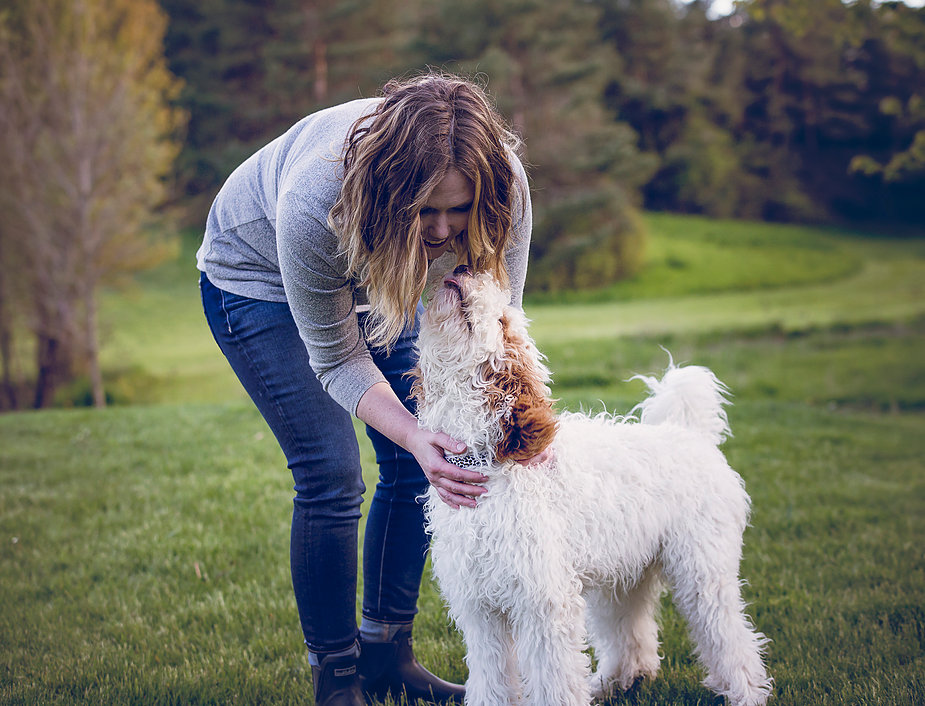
(469, 460)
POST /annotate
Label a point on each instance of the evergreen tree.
(788, 109)
(548, 71)
(670, 92)
(820, 73)
(888, 170)
(253, 68)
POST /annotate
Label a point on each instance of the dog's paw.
(604, 687)
(600, 692)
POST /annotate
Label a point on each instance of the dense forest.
(790, 110)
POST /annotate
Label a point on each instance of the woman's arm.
(322, 302)
(518, 250)
(381, 409)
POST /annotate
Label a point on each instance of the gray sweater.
(267, 238)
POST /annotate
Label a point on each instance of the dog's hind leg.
(705, 587)
(493, 676)
(624, 633)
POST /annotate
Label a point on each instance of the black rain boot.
(336, 679)
(390, 668)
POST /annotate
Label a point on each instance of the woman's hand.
(456, 486)
(380, 408)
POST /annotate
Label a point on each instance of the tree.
(892, 160)
(253, 68)
(669, 91)
(548, 71)
(828, 82)
(903, 163)
(88, 135)
(786, 110)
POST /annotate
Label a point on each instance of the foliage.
(788, 110)
(251, 69)
(799, 110)
(664, 58)
(819, 74)
(906, 164)
(88, 137)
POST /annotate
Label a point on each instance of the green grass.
(144, 548)
(687, 255)
(876, 367)
(156, 347)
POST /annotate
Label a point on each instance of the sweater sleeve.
(321, 297)
(518, 252)
(322, 302)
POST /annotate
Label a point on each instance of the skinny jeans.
(263, 346)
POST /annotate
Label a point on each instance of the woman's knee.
(335, 485)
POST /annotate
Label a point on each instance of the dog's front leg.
(493, 676)
(550, 638)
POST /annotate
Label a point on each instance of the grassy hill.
(144, 548)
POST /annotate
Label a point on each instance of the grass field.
(144, 548)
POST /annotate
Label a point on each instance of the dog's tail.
(690, 397)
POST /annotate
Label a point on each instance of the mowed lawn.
(144, 548)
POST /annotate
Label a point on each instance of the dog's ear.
(529, 428)
(528, 422)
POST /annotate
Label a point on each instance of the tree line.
(785, 110)
(114, 113)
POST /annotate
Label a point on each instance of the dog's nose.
(463, 270)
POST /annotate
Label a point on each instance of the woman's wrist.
(383, 411)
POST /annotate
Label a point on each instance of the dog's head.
(478, 361)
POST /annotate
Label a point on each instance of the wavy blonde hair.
(393, 160)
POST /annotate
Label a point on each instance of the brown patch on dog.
(528, 423)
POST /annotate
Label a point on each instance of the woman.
(317, 251)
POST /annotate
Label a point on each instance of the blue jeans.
(262, 344)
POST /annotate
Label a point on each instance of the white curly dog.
(575, 550)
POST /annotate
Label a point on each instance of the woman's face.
(445, 213)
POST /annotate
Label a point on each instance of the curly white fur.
(574, 552)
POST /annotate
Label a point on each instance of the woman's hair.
(393, 160)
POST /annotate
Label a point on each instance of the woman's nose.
(442, 226)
